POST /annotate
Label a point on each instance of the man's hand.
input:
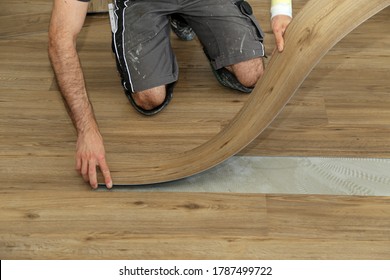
(89, 155)
(279, 25)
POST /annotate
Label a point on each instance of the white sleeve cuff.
(281, 9)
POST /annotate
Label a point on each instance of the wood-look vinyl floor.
(48, 212)
(65, 224)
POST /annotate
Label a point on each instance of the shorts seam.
(159, 81)
(223, 61)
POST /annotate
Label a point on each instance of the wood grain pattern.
(48, 212)
(308, 40)
(98, 6)
(192, 226)
(23, 18)
(333, 113)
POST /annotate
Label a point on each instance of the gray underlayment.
(286, 175)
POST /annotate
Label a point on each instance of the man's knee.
(248, 72)
(150, 98)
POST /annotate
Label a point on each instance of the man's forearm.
(70, 78)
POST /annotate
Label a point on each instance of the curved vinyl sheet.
(312, 33)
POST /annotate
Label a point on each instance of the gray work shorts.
(227, 30)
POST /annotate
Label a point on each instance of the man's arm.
(281, 16)
(66, 22)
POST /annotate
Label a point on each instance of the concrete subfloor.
(286, 175)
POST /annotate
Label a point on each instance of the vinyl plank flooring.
(192, 226)
(48, 212)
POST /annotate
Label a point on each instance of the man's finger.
(78, 164)
(106, 173)
(92, 174)
(84, 170)
(279, 41)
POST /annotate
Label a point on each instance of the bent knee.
(249, 72)
(150, 98)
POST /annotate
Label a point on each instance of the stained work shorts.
(227, 30)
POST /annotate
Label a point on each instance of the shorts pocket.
(246, 9)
